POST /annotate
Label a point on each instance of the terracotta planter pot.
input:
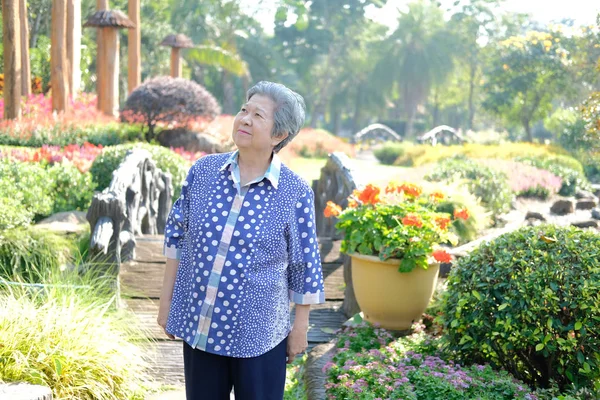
(392, 299)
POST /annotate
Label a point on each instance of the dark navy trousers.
(210, 377)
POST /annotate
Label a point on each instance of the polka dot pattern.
(245, 253)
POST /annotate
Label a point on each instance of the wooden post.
(175, 63)
(11, 39)
(134, 62)
(100, 59)
(74, 45)
(59, 65)
(110, 103)
(25, 66)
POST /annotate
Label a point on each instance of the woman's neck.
(252, 165)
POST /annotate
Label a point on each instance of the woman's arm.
(166, 293)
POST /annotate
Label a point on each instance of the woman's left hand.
(296, 342)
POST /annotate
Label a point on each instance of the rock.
(596, 213)
(65, 222)
(24, 391)
(190, 141)
(535, 215)
(585, 224)
(562, 207)
(596, 189)
(584, 194)
(314, 377)
(586, 204)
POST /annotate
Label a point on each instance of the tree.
(419, 55)
(11, 36)
(526, 74)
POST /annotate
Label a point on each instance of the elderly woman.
(241, 245)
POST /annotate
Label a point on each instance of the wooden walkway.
(141, 282)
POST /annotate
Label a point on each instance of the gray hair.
(290, 110)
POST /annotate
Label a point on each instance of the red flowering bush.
(399, 222)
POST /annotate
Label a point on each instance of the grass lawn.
(365, 171)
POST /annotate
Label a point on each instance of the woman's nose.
(246, 120)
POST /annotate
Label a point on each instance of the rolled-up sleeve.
(175, 228)
(305, 275)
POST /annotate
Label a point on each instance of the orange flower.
(352, 203)
(442, 222)
(332, 210)
(442, 256)
(412, 219)
(370, 195)
(411, 189)
(437, 196)
(463, 213)
(392, 187)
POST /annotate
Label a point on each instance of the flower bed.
(370, 363)
(526, 180)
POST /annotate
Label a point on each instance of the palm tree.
(418, 54)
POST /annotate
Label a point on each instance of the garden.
(474, 262)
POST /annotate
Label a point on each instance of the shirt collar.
(272, 174)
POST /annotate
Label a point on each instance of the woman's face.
(253, 125)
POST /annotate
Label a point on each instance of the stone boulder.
(535, 216)
(596, 213)
(586, 224)
(190, 141)
(587, 204)
(563, 207)
(584, 194)
(65, 222)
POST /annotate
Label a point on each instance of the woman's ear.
(275, 140)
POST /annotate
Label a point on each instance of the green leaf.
(58, 366)
(539, 347)
(549, 323)
(454, 323)
(578, 325)
(357, 318)
(586, 367)
(503, 306)
(476, 294)
(329, 331)
(219, 57)
(580, 357)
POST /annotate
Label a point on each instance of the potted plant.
(393, 237)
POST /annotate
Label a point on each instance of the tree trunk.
(110, 101)
(74, 45)
(101, 80)
(436, 108)
(175, 63)
(336, 121)
(25, 66)
(472, 72)
(11, 38)
(35, 30)
(59, 65)
(527, 126)
(410, 123)
(228, 100)
(356, 117)
(134, 61)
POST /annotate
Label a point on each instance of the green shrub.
(591, 165)
(389, 153)
(31, 254)
(12, 213)
(528, 302)
(76, 345)
(30, 184)
(567, 168)
(165, 159)
(71, 189)
(489, 185)
(63, 135)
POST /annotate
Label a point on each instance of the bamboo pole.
(25, 66)
(74, 45)
(59, 65)
(175, 63)
(11, 39)
(134, 62)
(110, 103)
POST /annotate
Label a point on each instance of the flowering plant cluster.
(527, 180)
(81, 156)
(399, 222)
(370, 364)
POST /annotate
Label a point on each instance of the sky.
(583, 12)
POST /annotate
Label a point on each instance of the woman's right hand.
(163, 314)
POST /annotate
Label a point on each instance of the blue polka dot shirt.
(245, 252)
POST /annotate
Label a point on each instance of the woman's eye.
(243, 110)
(258, 115)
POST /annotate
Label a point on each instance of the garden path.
(141, 281)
